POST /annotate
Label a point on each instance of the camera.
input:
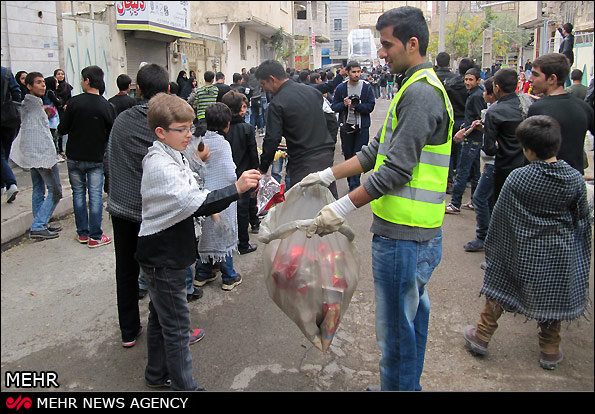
(354, 99)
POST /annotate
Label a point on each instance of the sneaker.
(452, 209)
(255, 229)
(142, 293)
(82, 239)
(474, 246)
(374, 387)
(476, 345)
(198, 281)
(60, 159)
(96, 243)
(483, 265)
(468, 206)
(196, 294)
(249, 249)
(550, 361)
(130, 344)
(232, 283)
(54, 227)
(43, 234)
(165, 384)
(196, 335)
(11, 193)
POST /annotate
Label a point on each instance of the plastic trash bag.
(270, 192)
(311, 280)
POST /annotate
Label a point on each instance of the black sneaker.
(232, 283)
(198, 281)
(164, 384)
(43, 234)
(249, 249)
(54, 227)
(130, 344)
(255, 229)
(197, 294)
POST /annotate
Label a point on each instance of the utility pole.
(441, 33)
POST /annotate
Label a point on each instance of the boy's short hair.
(488, 84)
(165, 109)
(95, 75)
(123, 81)
(270, 68)
(553, 64)
(506, 79)
(31, 76)
(219, 76)
(234, 100)
(541, 134)
(464, 65)
(152, 79)
(209, 76)
(218, 116)
(352, 64)
(407, 22)
(237, 77)
(443, 60)
(475, 72)
(576, 75)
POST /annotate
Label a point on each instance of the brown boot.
(476, 345)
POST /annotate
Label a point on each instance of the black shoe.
(43, 234)
(255, 229)
(249, 249)
(165, 384)
(197, 294)
(142, 293)
(54, 227)
(232, 283)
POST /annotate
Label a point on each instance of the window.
(338, 46)
(338, 24)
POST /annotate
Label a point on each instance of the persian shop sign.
(167, 17)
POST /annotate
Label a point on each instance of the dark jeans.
(8, 178)
(127, 270)
(168, 329)
(256, 116)
(313, 163)
(455, 151)
(467, 169)
(350, 145)
(483, 201)
(247, 216)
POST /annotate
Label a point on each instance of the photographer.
(354, 101)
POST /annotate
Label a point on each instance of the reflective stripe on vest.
(420, 202)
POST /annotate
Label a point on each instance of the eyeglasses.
(184, 131)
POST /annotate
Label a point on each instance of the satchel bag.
(11, 110)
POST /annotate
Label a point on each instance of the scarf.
(169, 189)
(219, 238)
(34, 146)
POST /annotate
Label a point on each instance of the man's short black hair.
(237, 77)
(219, 75)
(488, 84)
(506, 79)
(576, 75)
(304, 74)
(31, 77)
(475, 72)
(464, 65)
(352, 64)
(270, 68)
(541, 134)
(123, 81)
(568, 27)
(209, 76)
(553, 64)
(152, 79)
(443, 60)
(95, 75)
(173, 88)
(407, 22)
(218, 116)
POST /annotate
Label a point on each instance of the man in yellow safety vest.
(410, 157)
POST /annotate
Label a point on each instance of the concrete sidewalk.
(17, 216)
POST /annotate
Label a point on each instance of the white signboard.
(168, 17)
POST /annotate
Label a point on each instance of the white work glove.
(324, 177)
(331, 217)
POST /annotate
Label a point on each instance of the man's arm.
(367, 101)
(66, 119)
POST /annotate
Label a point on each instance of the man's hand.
(324, 177)
(326, 222)
(248, 180)
(347, 102)
(459, 136)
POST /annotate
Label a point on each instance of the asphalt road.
(58, 313)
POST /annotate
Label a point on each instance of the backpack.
(11, 110)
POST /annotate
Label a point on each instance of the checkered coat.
(538, 248)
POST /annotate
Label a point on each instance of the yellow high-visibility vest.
(420, 202)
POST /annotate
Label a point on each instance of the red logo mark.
(18, 403)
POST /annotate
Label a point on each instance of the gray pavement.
(58, 313)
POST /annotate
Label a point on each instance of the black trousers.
(313, 163)
(247, 216)
(127, 271)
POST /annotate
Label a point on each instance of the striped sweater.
(202, 97)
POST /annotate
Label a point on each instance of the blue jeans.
(263, 109)
(467, 170)
(142, 281)
(256, 118)
(43, 207)
(168, 329)
(350, 145)
(87, 176)
(277, 168)
(401, 269)
(483, 201)
(455, 151)
(205, 270)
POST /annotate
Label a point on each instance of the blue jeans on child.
(87, 176)
(483, 201)
(401, 269)
(277, 169)
(142, 281)
(43, 206)
(168, 329)
(205, 270)
(467, 170)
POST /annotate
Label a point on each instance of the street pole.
(441, 34)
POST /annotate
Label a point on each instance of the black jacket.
(473, 107)
(457, 93)
(242, 139)
(567, 46)
(295, 112)
(444, 74)
(501, 121)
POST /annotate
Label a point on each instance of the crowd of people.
(180, 166)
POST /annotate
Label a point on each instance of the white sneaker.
(11, 193)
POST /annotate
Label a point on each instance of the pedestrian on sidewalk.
(10, 93)
(34, 148)
(171, 198)
(88, 120)
(538, 248)
(407, 190)
(122, 101)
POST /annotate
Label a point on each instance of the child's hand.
(216, 217)
(204, 154)
(249, 179)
